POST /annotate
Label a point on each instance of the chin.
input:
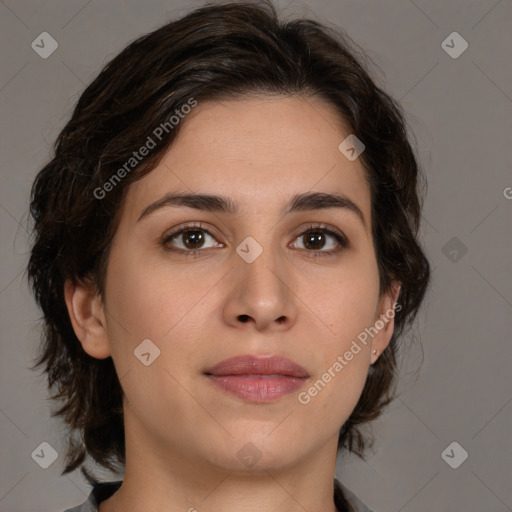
(253, 453)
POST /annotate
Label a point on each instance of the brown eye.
(314, 240)
(320, 241)
(192, 239)
(189, 240)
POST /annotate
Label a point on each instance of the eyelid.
(324, 227)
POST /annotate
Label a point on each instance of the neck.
(159, 479)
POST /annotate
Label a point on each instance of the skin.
(182, 432)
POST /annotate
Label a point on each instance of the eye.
(189, 239)
(316, 238)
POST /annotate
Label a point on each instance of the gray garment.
(104, 490)
(356, 504)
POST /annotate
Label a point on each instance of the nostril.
(244, 318)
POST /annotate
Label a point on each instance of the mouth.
(256, 379)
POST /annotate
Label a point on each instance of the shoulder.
(345, 499)
(100, 492)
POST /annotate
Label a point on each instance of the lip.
(258, 379)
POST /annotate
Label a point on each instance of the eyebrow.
(213, 203)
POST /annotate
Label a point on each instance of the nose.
(261, 295)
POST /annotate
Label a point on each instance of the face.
(203, 284)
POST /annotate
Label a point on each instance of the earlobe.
(87, 317)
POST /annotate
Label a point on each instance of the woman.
(226, 254)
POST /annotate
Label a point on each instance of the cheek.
(142, 305)
(349, 304)
(149, 299)
(145, 296)
(343, 352)
(334, 391)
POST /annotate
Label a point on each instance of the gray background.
(460, 111)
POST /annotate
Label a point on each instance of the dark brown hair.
(218, 51)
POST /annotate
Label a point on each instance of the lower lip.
(258, 388)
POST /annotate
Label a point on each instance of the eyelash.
(312, 228)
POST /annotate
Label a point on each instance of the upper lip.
(254, 365)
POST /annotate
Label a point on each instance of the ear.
(385, 321)
(87, 317)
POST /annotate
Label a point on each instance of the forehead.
(259, 151)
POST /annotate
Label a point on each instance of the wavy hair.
(218, 51)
